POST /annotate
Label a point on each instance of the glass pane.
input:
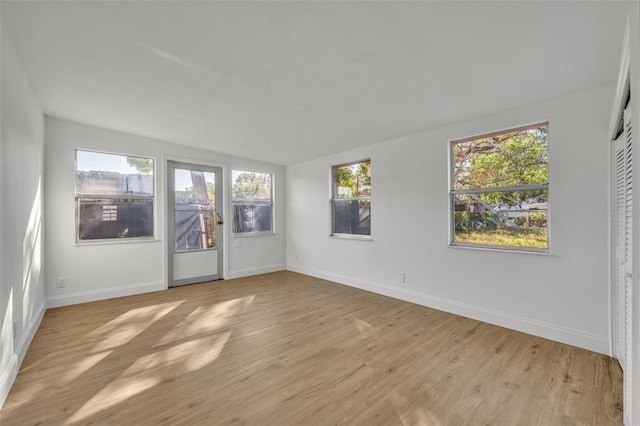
(195, 220)
(352, 217)
(353, 180)
(251, 218)
(507, 219)
(111, 174)
(114, 218)
(250, 186)
(508, 159)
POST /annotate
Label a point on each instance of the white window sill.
(356, 237)
(253, 234)
(110, 241)
(501, 250)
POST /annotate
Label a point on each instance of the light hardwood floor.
(288, 349)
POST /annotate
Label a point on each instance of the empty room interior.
(310, 213)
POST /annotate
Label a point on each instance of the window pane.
(250, 186)
(195, 227)
(511, 218)
(195, 221)
(110, 174)
(114, 218)
(352, 217)
(508, 159)
(352, 180)
(251, 217)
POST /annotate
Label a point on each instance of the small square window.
(114, 196)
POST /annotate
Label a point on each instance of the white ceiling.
(288, 81)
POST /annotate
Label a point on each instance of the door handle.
(220, 221)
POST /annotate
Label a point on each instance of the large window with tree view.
(499, 190)
(114, 196)
(252, 201)
(351, 199)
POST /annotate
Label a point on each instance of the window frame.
(334, 198)
(270, 202)
(78, 196)
(511, 188)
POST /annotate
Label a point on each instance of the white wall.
(98, 271)
(562, 296)
(22, 295)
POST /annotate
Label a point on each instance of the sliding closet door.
(623, 252)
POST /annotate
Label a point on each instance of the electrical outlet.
(62, 282)
(401, 277)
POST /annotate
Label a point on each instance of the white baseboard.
(8, 376)
(30, 332)
(239, 273)
(554, 332)
(104, 293)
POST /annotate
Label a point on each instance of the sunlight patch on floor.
(122, 329)
(152, 369)
(206, 319)
(366, 330)
(63, 377)
(411, 414)
(79, 368)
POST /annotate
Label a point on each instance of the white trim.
(355, 237)
(11, 372)
(110, 241)
(30, 332)
(622, 84)
(247, 272)
(501, 249)
(7, 378)
(253, 234)
(554, 332)
(103, 294)
(610, 251)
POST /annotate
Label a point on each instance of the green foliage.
(487, 228)
(508, 237)
(509, 159)
(533, 219)
(142, 165)
(211, 192)
(469, 221)
(252, 187)
(353, 180)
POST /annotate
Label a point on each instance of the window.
(114, 196)
(252, 202)
(351, 199)
(499, 190)
(194, 209)
(109, 213)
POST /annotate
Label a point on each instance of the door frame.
(617, 115)
(165, 207)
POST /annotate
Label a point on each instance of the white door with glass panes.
(194, 222)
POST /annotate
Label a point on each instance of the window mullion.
(500, 189)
